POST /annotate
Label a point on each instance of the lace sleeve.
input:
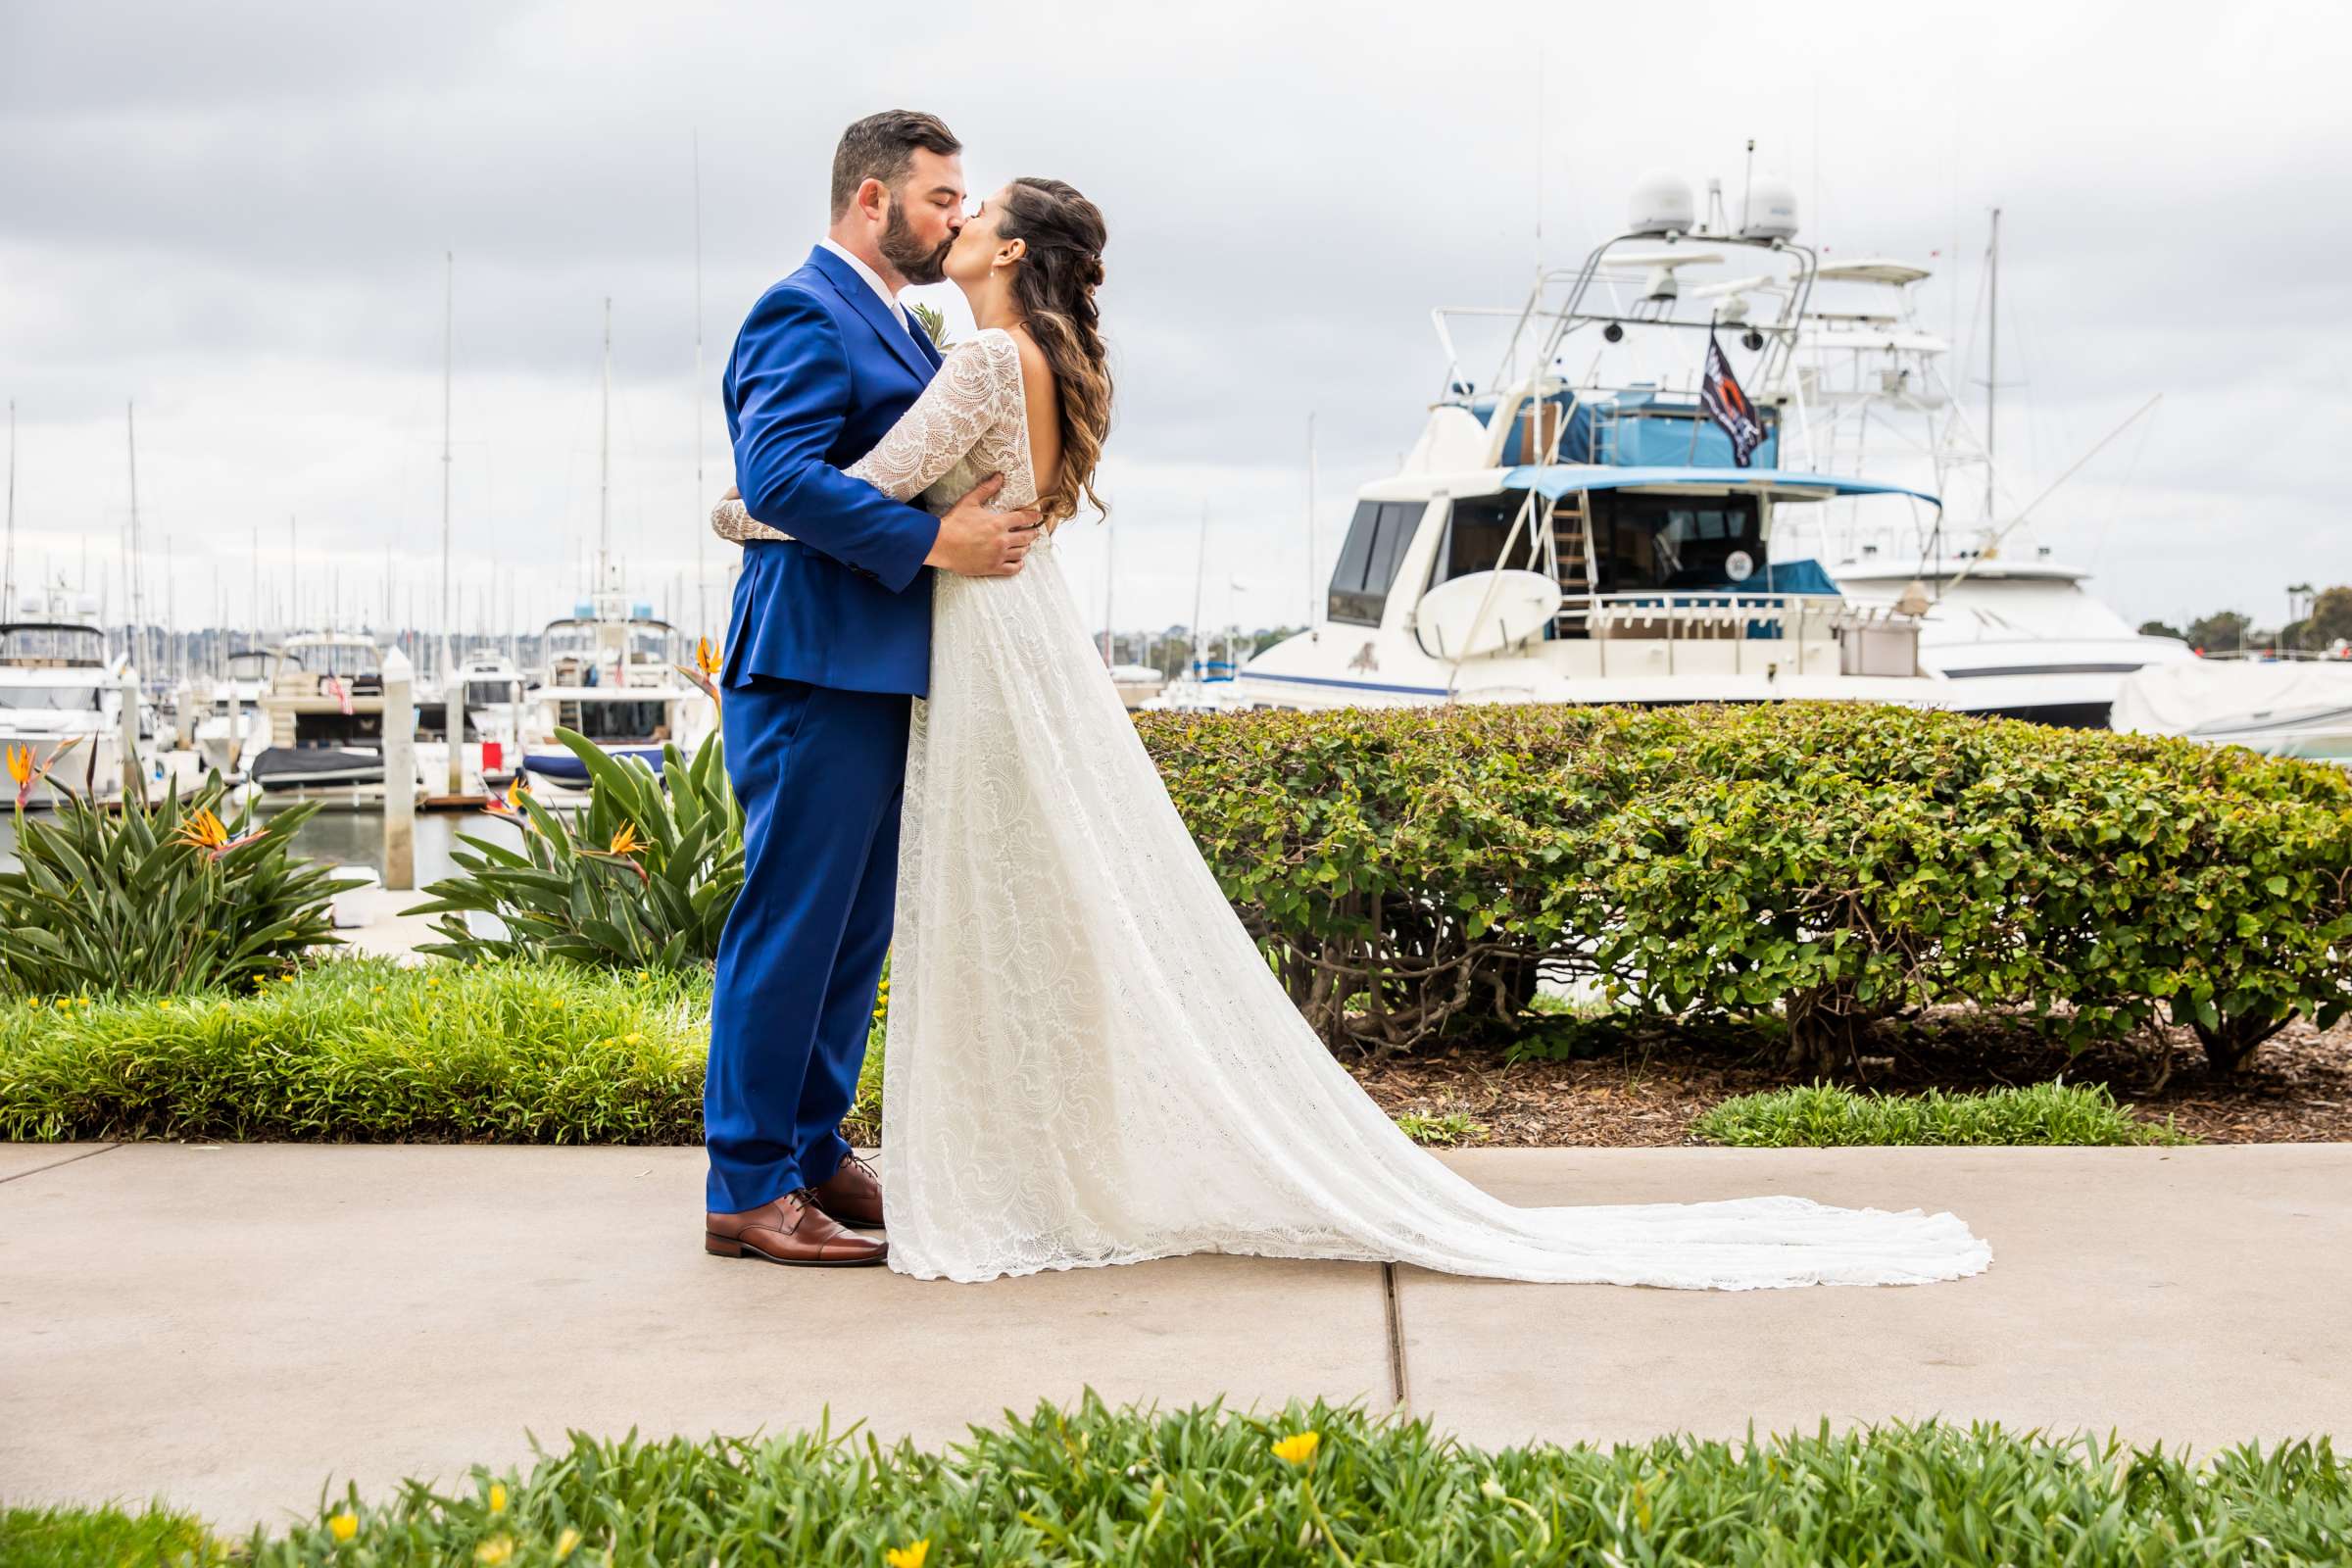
(977, 388)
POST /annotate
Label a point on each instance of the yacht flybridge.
(1579, 529)
(2013, 630)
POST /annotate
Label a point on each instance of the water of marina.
(347, 837)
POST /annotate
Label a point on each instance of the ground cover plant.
(1313, 1483)
(147, 898)
(1827, 1115)
(1410, 871)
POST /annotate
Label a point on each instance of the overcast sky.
(236, 215)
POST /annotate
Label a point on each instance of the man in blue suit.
(829, 638)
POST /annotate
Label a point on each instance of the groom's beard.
(905, 252)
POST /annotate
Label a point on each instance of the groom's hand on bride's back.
(975, 542)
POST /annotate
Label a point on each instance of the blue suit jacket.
(819, 373)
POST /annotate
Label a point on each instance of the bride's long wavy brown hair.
(1054, 286)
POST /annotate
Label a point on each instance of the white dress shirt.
(873, 279)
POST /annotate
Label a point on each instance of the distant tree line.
(2227, 631)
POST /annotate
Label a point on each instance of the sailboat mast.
(138, 603)
(8, 572)
(449, 313)
(604, 461)
(1992, 347)
(1199, 581)
(700, 596)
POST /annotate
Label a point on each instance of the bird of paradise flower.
(29, 775)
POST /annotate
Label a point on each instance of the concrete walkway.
(231, 1326)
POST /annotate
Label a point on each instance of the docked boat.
(1581, 528)
(324, 714)
(495, 697)
(610, 676)
(230, 729)
(2277, 705)
(2015, 632)
(60, 688)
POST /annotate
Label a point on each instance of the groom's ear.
(873, 199)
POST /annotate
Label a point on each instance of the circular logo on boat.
(1739, 566)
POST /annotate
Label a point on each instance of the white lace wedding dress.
(1088, 1062)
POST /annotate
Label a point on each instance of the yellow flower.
(498, 1496)
(20, 764)
(634, 1040)
(1298, 1448)
(908, 1556)
(558, 1003)
(34, 1003)
(345, 1524)
(626, 841)
(432, 982)
(565, 1543)
(202, 831)
(497, 1549)
(375, 988)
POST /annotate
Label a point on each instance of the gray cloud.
(237, 216)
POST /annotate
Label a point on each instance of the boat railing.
(1872, 639)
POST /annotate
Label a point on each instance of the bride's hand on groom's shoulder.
(975, 542)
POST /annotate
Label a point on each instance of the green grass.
(1825, 1115)
(73, 1538)
(364, 1049)
(1204, 1485)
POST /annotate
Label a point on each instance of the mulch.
(1646, 1086)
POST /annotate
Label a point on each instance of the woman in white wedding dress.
(1088, 1060)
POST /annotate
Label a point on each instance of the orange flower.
(20, 765)
(624, 848)
(202, 831)
(512, 806)
(706, 667)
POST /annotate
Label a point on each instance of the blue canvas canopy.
(1779, 484)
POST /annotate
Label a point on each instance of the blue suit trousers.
(820, 772)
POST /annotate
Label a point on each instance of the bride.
(1087, 1060)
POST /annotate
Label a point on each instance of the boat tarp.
(2253, 702)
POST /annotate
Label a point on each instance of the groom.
(829, 638)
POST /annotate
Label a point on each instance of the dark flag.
(1719, 393)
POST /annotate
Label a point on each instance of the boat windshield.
(52, 645)
(336, 658)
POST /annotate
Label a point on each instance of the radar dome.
(1770, 211)
(1661, 204)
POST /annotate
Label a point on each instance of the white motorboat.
(2015, 632)
(610, 677)
(325, 720)
(1582, 530)
(496, 698)
(58, 688)
(231, 727)
(2276, 704)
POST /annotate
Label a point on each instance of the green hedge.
(1409, 870)
(1309, 1483)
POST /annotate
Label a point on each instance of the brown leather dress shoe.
(790, 1229)
(853, 1194)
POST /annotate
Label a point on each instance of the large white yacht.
(60, 687)
(1578, 528)
(2014, 631)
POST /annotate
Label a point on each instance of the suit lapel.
(866, 303)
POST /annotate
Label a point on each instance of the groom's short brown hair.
(882, 147)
